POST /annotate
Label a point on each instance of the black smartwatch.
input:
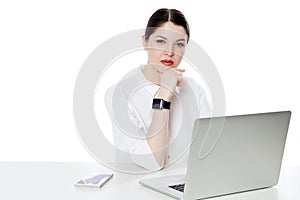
(160, 104)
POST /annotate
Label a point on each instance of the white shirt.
(129, 104)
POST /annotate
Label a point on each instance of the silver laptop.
(229, 155)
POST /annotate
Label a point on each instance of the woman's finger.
(180, 70)
(179, 81)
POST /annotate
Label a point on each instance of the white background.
(255, 46)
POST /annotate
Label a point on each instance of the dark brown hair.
(166, 15)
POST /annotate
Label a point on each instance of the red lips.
(167, 62)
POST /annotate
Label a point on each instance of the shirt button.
(168, 156)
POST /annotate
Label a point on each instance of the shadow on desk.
(261, 194)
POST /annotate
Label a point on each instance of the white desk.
(50, 180)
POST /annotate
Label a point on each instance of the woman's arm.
(158, 132)
(157, 136)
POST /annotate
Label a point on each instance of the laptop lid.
(235, 153)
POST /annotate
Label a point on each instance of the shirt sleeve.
(134, 141)
(205, 108)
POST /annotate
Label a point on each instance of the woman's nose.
(169, 50)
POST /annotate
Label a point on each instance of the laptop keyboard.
(179, 187)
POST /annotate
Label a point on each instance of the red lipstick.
(167, 62)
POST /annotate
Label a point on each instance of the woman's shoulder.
(127, 84)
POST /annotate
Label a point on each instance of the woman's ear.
(145, 43)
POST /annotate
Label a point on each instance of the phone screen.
(94, 180)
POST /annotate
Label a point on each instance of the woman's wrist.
(165, 94)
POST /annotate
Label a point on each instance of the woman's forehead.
(169, 34)
(170, 30)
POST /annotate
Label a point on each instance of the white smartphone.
(94, 180)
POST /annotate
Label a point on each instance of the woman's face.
(166, 45)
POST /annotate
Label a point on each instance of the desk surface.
(50, 180)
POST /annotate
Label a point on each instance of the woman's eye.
(180, 44)
(160, 41)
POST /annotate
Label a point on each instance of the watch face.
(156, 104)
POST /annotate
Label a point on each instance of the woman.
(153, 108)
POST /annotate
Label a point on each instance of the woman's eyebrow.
(160, 36)
(181, 40)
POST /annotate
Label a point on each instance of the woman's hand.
(169, 79)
